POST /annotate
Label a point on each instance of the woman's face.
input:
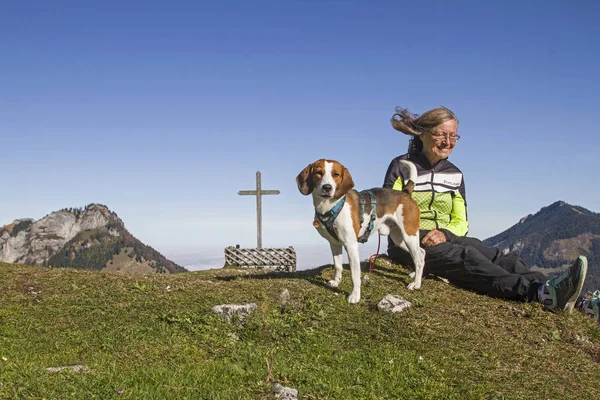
(439, 142)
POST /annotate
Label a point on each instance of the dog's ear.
(346, 185)
(304, 180)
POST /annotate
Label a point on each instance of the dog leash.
(374, 257)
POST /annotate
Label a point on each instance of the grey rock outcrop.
(284, 392)
(393, 303)
(43, 238)
(229, 311)
(71, 368)
(284, 297)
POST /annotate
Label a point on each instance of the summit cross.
(258, 193)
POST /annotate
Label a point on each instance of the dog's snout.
(326, 188)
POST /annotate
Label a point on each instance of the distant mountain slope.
(90, 238)
(551, 239)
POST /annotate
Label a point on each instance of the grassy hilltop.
(155, 337)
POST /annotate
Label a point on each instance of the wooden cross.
(258, 193)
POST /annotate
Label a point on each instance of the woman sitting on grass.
(464, 261)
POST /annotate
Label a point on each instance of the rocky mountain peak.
(32, 242)
(553, 237)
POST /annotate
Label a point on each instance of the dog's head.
(327, 178)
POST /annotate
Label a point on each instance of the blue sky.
(164, 110)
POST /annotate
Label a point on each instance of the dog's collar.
(330, 216)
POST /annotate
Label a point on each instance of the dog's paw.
(412, 275)
(333, 283)
(354, 298)
(413, 286)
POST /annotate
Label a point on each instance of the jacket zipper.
(432, 199)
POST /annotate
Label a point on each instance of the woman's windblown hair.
(404, 121)
(415, 125)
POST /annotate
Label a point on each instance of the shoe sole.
(571, 303)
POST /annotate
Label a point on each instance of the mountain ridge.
(92, 237)
(552, 238)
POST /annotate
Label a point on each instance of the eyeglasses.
(438, 137)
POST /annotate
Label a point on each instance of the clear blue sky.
(164, 110)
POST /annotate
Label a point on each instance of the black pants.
(468, 263)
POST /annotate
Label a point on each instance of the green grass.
(155, 337)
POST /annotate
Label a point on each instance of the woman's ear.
(304, 180)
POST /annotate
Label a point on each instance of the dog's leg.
(418, 256)
(411, 245)
(354, 259)
(336, 251)
(403, 246)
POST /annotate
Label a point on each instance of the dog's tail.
(412, 176)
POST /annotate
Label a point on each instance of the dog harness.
(330, 216)
(365, 236)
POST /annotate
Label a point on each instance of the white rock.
(284, 297)
(73, 368)
(393, 303)
(227, 311)
(284, 392)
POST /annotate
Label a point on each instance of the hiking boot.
(590, 307)
(564, 290)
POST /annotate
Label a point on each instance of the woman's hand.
(433, 237)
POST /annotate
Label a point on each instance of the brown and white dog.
(396, 214)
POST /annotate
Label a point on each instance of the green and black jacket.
(439, 192)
